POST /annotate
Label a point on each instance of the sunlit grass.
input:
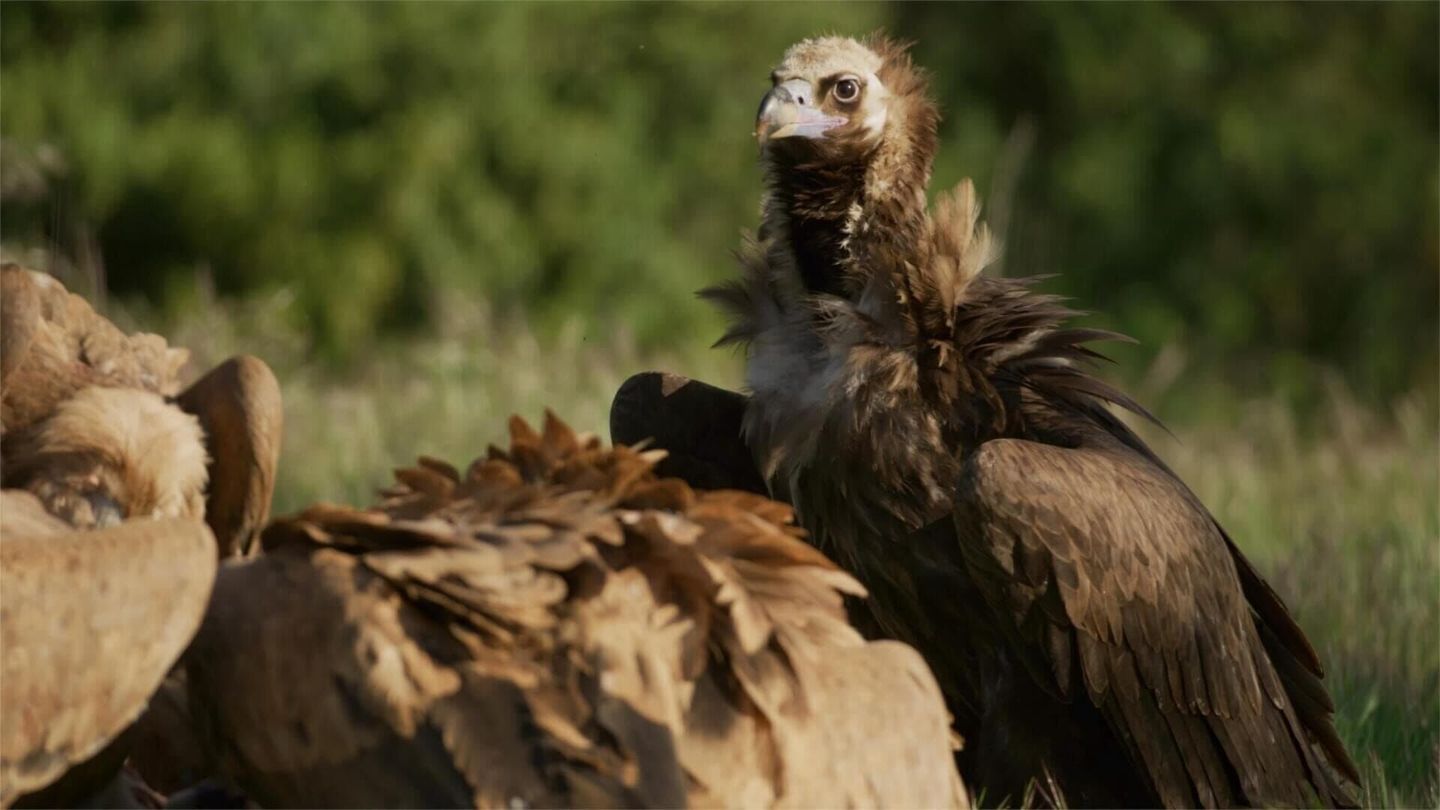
(1339, 512)
(1341, 517)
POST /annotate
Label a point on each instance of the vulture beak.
(788, 110)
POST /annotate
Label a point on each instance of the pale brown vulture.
(54, 348)
(938, 433)
(94, 439)
(557, 626)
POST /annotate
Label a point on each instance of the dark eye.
(846, 90)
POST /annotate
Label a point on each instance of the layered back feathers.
(556, 625)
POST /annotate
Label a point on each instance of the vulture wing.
(557, 626)
(696, 424)
(1123, 589)
(238, 404)
(91, 622)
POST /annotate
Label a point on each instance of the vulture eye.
(846, 90)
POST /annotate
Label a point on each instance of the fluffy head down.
(108, 454)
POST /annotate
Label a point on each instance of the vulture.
(91, 623)
(941, 436)
(111, 475)
(557, 626)
(61, 360)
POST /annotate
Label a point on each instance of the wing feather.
(1158, 615)
(92, 622)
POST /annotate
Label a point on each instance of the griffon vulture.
(54, 346)
(94, 440)
(939, 435)
(557, 626)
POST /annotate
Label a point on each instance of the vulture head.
(847, 137)
(54, 347)
(109, 454)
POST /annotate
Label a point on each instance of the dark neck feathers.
(851, 210)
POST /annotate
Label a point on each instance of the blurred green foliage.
(1255, 183)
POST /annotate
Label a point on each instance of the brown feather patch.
(566, 629)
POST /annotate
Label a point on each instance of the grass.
(1338, 510)
(1340, 516)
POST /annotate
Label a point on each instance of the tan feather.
(560, 627)
(92, 622)
(239, 407)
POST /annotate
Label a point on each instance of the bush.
(1255, 183)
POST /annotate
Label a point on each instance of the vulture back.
(558, 626)
(53, 344)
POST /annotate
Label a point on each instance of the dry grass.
(1340, 514)
(1341, 518)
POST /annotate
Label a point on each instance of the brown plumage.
(92, 621)
(124, 392)
(558, 627)
(93, 438)
(940, 436)
(54, 344)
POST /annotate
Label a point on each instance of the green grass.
(1341, 518)
(1338, 509)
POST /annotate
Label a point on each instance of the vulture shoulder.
(558, 626)
(697, 425)
(1125, 591)
(90, 624)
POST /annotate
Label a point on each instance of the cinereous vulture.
(940, 436)
(558, 627)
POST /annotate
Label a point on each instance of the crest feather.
(962, 247)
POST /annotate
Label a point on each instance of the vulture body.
(109, 481)
(90, 624)
(557, 626)
(1091, 624)
(60, 360)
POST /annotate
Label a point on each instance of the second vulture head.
(847, 137)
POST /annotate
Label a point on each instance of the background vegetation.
(1255, 183)
(427, 216)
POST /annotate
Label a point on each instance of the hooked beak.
(788, 110)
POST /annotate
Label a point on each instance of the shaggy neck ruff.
(852, 209)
